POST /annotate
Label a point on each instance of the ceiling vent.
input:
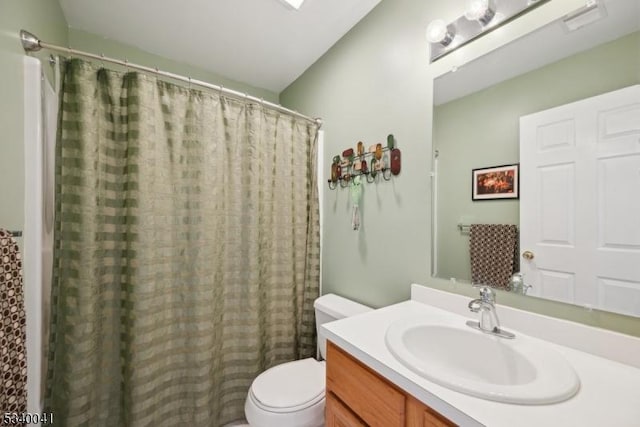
(592, 12)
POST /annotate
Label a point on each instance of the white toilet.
(292, 394)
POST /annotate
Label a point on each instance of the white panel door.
(580, 201)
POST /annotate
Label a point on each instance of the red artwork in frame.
(495, 183)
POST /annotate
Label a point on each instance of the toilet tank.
(332, 307)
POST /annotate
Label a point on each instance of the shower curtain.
(186, 250)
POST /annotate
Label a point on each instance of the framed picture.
(494, 183)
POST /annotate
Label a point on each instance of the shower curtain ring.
(102, 60)
(126, 65)
(189, 83)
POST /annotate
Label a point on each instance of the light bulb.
(438, 32)
(480, 10)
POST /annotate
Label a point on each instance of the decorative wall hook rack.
(369, 163)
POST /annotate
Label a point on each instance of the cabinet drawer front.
(370, 397)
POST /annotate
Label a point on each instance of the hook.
(385, 174)
(370, 177)
(69, 54)
(126, 65)
(102, 60)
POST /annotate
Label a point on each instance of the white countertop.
(609, 394)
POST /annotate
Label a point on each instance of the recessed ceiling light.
(293, 3)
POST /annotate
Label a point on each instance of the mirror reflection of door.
(580, 209)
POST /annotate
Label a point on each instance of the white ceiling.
(259, 42)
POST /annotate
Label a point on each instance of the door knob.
(528, 255)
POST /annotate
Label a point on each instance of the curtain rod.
(31, 43)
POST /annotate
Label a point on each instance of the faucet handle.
(486, 293)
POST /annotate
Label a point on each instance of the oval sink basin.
(463, 359)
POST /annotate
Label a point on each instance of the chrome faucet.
(485, 305)
(517, 285)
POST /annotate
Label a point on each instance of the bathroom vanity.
(358, 396)
(368, 385)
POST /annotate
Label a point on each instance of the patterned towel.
(13, 359)
(494, 254)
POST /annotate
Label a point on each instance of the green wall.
(490, 136)
(44, 18)
(377, 80)
(373, 82)
(89, 42)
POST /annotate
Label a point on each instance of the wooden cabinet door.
(377, 402)
(420, 415)
(338, 415)
(358, 396)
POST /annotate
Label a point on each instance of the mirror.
(476, 125)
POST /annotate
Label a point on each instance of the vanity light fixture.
(482, 11)
(439, 32)
(480, 17)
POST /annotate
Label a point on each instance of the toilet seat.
(291, 386)
(290, 394)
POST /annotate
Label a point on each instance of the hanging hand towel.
(493, 250)
(13, 360)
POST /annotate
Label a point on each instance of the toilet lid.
(290, 386)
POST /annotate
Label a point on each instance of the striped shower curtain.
(186, 250)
